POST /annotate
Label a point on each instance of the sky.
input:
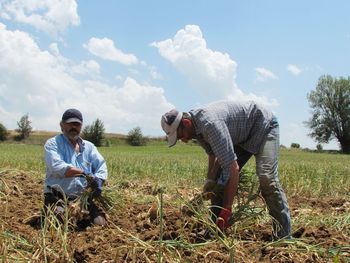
(128, 62)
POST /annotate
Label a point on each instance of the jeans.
(271, 190)
(267, 171)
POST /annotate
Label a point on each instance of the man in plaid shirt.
(231, 132)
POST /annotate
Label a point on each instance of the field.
(151, 185)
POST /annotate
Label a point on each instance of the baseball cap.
(72, 115)
(170, 122)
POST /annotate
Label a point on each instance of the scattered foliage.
(24, 127)
(3, 132)
(135, 137)
(330, 103)
(295, 145)
(94, 132)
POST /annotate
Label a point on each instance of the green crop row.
(312, 174)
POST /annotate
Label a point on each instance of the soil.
(134, 229)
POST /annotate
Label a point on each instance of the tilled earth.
(133, 231)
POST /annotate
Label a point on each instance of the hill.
(40, 137)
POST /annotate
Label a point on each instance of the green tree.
(24, 127)
(295, 145)
(330, 103)
(319, 147)
(3, 132)
(135, 137)
(94, 132)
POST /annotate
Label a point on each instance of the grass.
(182, 169)
(312, 174)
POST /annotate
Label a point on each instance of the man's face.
(184, 133)
(71, 130)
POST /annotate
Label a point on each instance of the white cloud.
(105, 49)
(263, 74)
(54, 49)
(211, 72)
(293, 69)
(36, 82)
(90, 67)
(119, 77)
(50, 16)
(155, 74)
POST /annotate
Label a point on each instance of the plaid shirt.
(223, 124)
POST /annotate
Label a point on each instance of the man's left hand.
(209, 186)
(96, 186)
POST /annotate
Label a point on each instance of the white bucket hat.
(170, 122)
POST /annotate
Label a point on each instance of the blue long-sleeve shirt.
(60, 155)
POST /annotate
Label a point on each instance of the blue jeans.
(267, 171)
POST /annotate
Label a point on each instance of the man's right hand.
(223, 220)
(209, 185)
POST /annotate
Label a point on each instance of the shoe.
(100, 221)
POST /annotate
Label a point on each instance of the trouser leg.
(56, 204)
(272, 192)
(97, 216)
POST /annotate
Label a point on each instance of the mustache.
(73, 130)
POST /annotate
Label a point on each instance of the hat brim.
(70, 120)
(172, 139)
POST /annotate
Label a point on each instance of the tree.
(94, 132)
(135, 137)
(3, 132)
(330, 103)
(24, 127)
(319, 147)
(295, 145)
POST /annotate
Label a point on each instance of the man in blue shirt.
(231, 132)
(68, 157)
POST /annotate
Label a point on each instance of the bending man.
(231, 132)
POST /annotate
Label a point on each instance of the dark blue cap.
(72, 115)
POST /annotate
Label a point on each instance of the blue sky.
(127, 62)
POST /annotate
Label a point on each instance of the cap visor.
(172, 139)
(73, 120)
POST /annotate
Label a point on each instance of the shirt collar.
(79, 140)
(197, 133)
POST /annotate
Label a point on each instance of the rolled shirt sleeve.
(55, 165)
(99, 167)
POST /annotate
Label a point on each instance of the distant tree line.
(330, 119)
(94, 133)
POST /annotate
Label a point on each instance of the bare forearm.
(230, 190)
(213, 167)
(73, 171)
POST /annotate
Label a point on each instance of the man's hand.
(223, 220)
(209, 186)
(95, 183)
(96, 186)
